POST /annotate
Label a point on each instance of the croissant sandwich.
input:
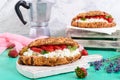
(93, 19)
(50, 52)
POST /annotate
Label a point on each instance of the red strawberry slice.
(36, 49)
(101, 16)
(48, 48)
(84, 52)
(88, 17)
(57, 47)
(63, 46)
(43, 47)
(94, 16)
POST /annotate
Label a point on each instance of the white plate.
(43, 71)
(99, 30)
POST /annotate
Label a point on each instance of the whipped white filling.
(56, 53)
(92, 20)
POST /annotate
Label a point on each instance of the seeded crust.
(53, 41)
(93, 24)
(91, 13)
(43, 61)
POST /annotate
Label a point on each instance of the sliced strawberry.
(94, 16)
(63, 46)
(50, 46)
(36, 49)
(101, 16)
(49, 49)
(57, 47)
(78, 18)
(88, 17)
(43, 47)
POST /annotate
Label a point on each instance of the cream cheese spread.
(57, 53)
(92, 20)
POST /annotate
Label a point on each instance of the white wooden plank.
(88, 34)
(99, 43)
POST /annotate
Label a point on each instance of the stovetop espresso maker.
(39, 13)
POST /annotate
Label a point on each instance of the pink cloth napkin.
(19, 41)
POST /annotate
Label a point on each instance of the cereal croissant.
(93, 19)
(50, 52)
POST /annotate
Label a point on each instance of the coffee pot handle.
(19, 14)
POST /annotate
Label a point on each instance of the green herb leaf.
(83, 19)
(108, 16)
(69, 47)
(44, 52)
(72, 48)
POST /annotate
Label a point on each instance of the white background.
(62, 13)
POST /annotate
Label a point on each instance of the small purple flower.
(116, 69)
(97, 68)
(111, 65)
(108, 70)
(96, 63)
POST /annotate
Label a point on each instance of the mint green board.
(8, 69)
